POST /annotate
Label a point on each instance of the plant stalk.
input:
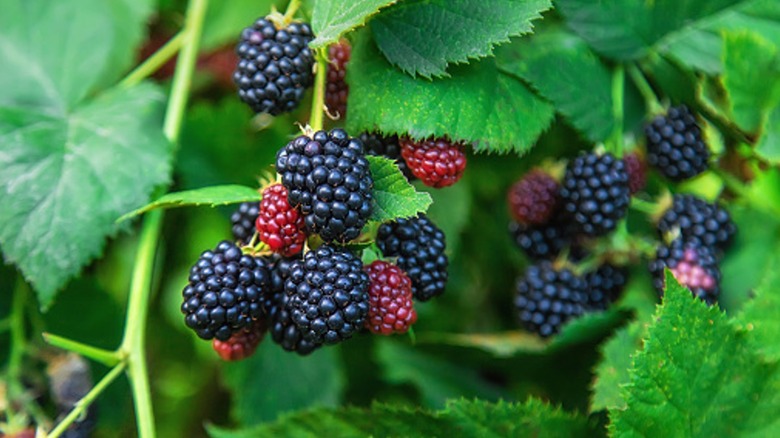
(318, 103)
(651, 100)
(107, 358)
(155, 61)
(616, 139)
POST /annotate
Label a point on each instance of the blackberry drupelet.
(698, 221)
(225, 292)
(438, 162)
(242, 344)
(547, 298)
(336, 88)
(280, 226)
(328, 178)
(605, 285)
(390, 309)
(280, 324)
(376, 144)
(595, 193)
(419, 245)
(243, 220)
(275, 66)
(533, 199)
(328, 295)
(694, 265)
(541, 242)
(675, 146)
(637, 172)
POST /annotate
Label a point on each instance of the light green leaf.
(612, 371)
(751, 77)
(394, 197)
(422, 37)
(759, 316)
(478, 103)
(697, 376)
(768, 146)
(210, 196)
(65, 179)
(333, 18)
(563, 69)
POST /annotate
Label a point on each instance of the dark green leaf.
(612, 372)
(394, 197)
(210, 196)
(423, 37)
(478, 103)
(333, 18)
(759, 317)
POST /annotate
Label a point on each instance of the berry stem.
(155, 61)
(292, 8)
(107, 358)
(733, 183)
(318, 103)
(651, 100)
(16, 353)
(615, 143)
(643, 206)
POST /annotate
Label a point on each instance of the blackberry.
(693, 265)
(419, 245)
(544, 241)
(595, 193)
(534, 198)
(242, 344)
(275, 66)
(280, 324)
(225, 291)
(438, 162)
(547, 298)
(389, 147)
(675, 146)
(605, 285)
(637, 172)
(328, 178)
(337, 90)
(328, 295)
(390, 307)
(243, 220)
(280, 226)
(698, 221)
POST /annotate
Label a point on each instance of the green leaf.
(210, 196)
(394, 197)
(629, 29)
(697, 376)
(751, 77)
(477, 103)
(768, 145)
(66, 177)
(759, 316)
(613, 370)
(333, 18)
(422, 37)
(459, 418)
(563, 69)
(274, 381)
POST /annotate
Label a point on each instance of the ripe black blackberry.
(419, 245)
(376, 144)
(547, 298)
(328, 177)
(675, 146)
(595, 193)
(541, 242)
(693, 265)
(280, 324)
(698, 221)
(275, 66)
(243, 220)
(328, 295)
(605, 285)
(225, 292)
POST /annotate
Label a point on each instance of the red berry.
(241, 344)
(637, 172)
(337, 90)
(533, 199)
(390, 307)
(437, 162)
(280, 226)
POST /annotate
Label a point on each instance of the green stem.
(318, 103)
(733, 183)
(643, 206)
(292, 8)
(87, 400)
(107, 358)
(154, 62)
(651, 100)
(16, 354)
(615, 143)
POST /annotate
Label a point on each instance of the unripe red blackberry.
(242, 344)
(275, 66)
(693, 265)
(437, 162)
(595, 193)
(698, 221)
(390, 308)
(376, 144)
(280, 226)
(336, 88)
(675, 146)
(243, 220)
(533, 199)
(637, 172)
(547, 298)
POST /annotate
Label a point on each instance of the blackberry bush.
(675, 146)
